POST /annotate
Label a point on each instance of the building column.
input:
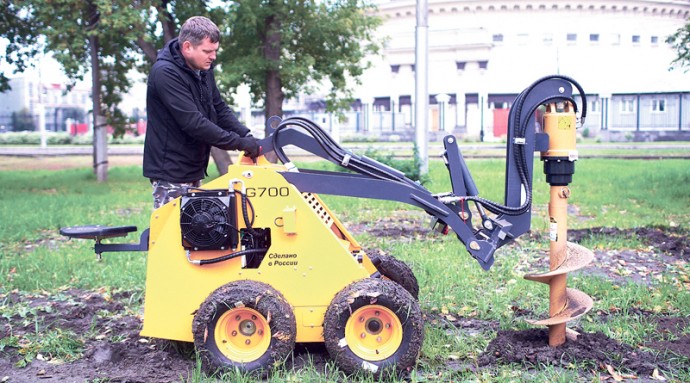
(461, 108)
(368, 109)
(442, 100)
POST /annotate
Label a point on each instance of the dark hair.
(197, 28)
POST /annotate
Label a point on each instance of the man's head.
(199, 39)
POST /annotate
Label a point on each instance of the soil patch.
(104, 334)
(672, 241)
(112, 349)
(530, 347)
(673, 338)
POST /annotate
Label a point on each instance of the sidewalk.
(34, 151)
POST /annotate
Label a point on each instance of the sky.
(43, 65)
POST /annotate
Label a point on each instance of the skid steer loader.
(255, 261)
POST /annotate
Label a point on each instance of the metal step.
(577, 257)
(577, 304)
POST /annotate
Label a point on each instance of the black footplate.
(96, 231)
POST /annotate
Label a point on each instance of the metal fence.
(651, 113)
(648, 114)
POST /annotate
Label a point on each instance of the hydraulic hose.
(336, 153)
(520, 157)
(226, 257)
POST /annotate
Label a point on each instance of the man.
(186, 115)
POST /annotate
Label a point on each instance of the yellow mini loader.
(255, 262)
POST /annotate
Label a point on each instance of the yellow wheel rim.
(242, 335)
(373, 333)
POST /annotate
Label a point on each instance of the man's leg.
(165, 191)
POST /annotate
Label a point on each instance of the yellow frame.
(311, 258)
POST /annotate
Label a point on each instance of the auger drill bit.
(565, 304)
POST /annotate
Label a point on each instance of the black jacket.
(186, 116)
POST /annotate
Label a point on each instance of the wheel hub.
(373, 333)
(242, 335)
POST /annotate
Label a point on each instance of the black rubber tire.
(398, 272)
(254, 295)
(374, 292)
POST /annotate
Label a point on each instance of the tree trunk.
(149, 50)
(222, 159)
(274, 88)
(100, 133)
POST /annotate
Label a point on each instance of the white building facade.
(482, 53)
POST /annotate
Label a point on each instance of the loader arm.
(499, 223)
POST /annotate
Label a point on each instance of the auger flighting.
(565, 304)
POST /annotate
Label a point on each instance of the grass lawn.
(612, 193)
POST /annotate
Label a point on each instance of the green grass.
(605, 192)
(612, 193)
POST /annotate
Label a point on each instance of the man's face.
(200, 57)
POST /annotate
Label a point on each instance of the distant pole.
(421, 86)
(41, 110)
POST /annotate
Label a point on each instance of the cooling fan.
(208, 221)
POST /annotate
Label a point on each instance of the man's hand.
(250, 146)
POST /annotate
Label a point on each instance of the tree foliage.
(21, 35)
(680, 41)
(281, 48)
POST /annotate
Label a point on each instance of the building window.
(382, 104)
(460, 65)
(594, 106)
(548, 38)
(571, 37)
(498, 38)
(627, 106)
(395, 68)
(483, 64)
(594, 37)
(659, 105)
(654, 40)
(636, 39)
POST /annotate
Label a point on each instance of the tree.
(282, 48)
(680, 41)
(79, 32)
(21, 36)
(278, 47)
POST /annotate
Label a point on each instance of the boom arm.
(451, 210)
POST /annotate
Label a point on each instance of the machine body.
(255, 261)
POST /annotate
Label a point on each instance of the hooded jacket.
(186, 116)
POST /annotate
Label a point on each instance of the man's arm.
(226, 118)
(177, 97)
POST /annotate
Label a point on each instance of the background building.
(482, 53)
(32, 102)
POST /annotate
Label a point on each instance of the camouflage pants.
(165, 191)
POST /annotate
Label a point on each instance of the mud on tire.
(245, 325)
(374, 326)
(398, 272)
